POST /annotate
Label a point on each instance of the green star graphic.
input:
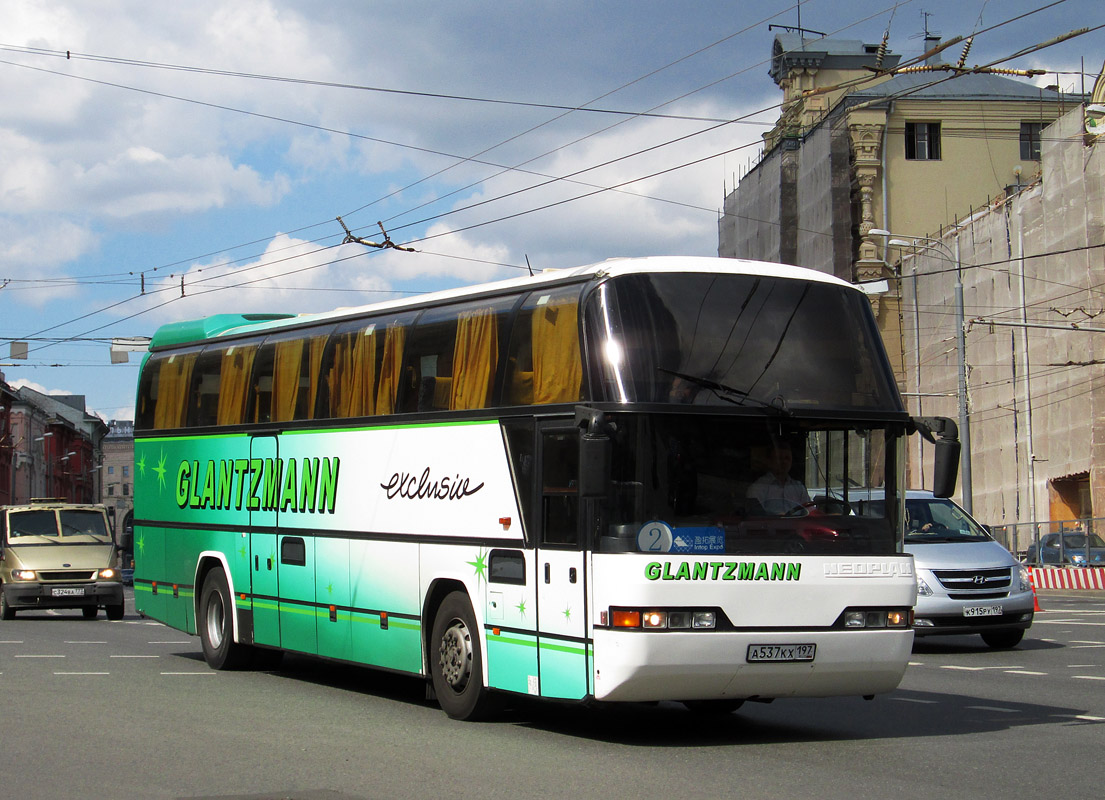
(330, 588)
(160, 470)
(140, 543)
(567, 612)
(521, 608)
(480, 565)
(141, 464)
(242, 552)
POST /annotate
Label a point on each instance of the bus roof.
(194, 331)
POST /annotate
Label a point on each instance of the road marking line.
(33, 656)
(916, 663)
(1087, 646)
(1089, 718)
(1080, 666)
(993, 708)
(143, 657)
(1085, 641)
(979, 669)
(1023, 672)
(187, 673)
(90, 642)
(184, 642)
(82, 673)
(914, 700)
(1064, 622)
(11, 641)
(1090, 677)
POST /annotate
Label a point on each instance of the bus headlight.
(855, 618)
(659, 618)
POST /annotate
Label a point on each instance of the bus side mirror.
(947, 447)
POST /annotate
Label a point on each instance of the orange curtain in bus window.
(285, 380)
(233, 384)
(172, 390)
(390, 369)
(475, 356)
(557, 369)
(315, 347)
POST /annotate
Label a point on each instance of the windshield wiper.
(730, 394)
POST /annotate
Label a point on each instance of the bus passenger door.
(562, 644)
(263, 555)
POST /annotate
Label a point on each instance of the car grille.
(71, 575)
(978, 584)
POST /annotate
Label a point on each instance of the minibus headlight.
(107, 574)
(23, 575)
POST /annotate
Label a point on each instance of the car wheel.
(115, 612)
(1003, 640)
(89, 612)
(216, 625)
(456, 661)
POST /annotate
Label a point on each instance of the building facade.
(118, 475)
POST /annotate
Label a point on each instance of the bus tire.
(456, 660)
(216, 626)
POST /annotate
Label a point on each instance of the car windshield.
(52, 524)
(936, 520)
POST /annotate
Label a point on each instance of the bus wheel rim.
(215, 621)
(455, 655)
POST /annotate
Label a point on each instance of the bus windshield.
(735, 484)
(736, 340)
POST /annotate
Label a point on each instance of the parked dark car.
(1068, 549)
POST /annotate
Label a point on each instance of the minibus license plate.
(781, 652)
(982, 611)
(68, 592)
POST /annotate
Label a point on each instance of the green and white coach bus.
(550, 486)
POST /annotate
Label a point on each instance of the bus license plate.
(781, 652)
(68, 592)
(982, 611)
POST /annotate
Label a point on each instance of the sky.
(168, 161)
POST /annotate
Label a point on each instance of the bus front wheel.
(216, 627)
(456, 660)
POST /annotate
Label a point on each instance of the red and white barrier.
(1068, 577)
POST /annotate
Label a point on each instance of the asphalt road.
(129, 710)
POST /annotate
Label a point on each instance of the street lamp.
(925, 242)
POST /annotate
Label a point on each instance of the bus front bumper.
(640, 666)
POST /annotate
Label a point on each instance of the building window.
(126, 471)
(1030, 140)
(111, 490)
(111, 470)
(126, 490)
(922, 141)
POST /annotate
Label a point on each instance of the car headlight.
(923, 589)
(1077, 558)
(107, 574)
(1026, 580)
(23, 575)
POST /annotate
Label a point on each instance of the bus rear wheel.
(216, 626)
(456, 660)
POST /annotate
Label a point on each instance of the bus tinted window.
(737, 339)
(165, 390)
(286, 377)
(453, 356)
(544, 364)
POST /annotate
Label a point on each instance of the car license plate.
(68, 592)
(781, 652)
(982, 611)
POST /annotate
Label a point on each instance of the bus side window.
(349, 370)
(163, 400)
(545, 365)
(235, 369)
(203, 405)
